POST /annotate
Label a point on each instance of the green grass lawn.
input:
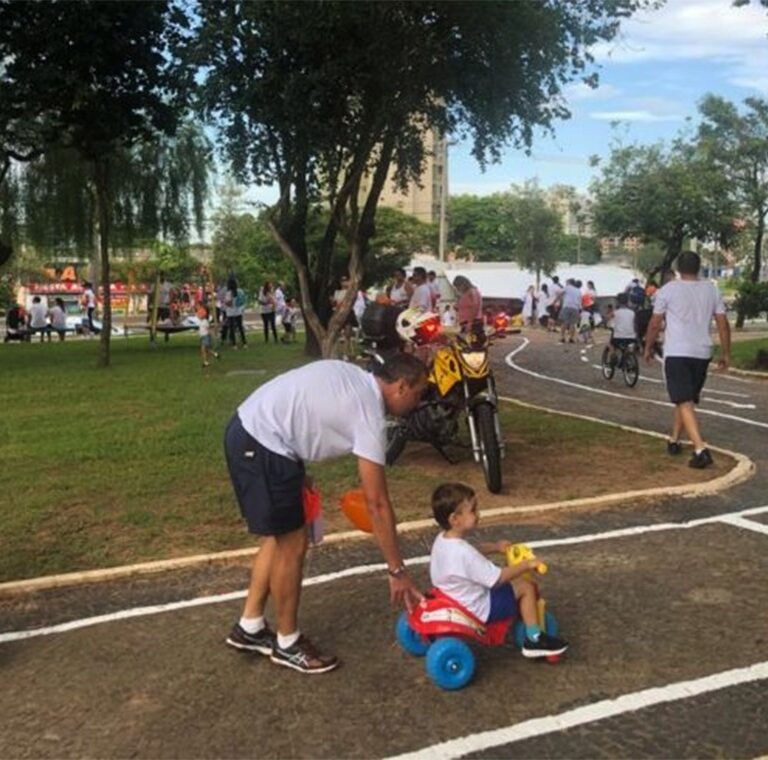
(110, 467)
(744, 353)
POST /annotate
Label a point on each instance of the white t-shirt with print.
(322, 410)
(462, 572)
(623, 323)
(688, 307)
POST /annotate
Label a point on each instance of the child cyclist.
(622, 325)
(488, 591)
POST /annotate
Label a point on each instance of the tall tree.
(316, 96)
(737, 143)
(663, 194)
(94, 77)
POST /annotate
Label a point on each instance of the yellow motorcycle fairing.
(446, 371)
(474, 363)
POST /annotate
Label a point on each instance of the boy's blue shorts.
(503, 603)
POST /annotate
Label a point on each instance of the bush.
(752, 298)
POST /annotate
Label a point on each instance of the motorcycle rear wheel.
(490, 451)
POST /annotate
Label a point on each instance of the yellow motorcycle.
(461, 387)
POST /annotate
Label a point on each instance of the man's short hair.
(420, 272)
(623, 299)
(400, 366)
(688, 262)
(446, 499)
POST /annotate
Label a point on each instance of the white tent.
(508, 280)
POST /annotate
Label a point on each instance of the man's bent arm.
(724, 331)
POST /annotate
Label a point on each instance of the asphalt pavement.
(665, 604)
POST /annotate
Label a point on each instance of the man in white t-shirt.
(38, 319)
(321, 410)
(421, 298)
(686, 307)
(570, 309)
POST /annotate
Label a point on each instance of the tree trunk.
(757, 262)
(101, 172)
(674, 246)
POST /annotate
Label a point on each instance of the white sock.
(284, 642)
(252, 625)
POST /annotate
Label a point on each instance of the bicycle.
(626, 361)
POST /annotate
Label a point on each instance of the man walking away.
(688, 305)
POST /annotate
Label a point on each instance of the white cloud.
(639, 115)
(711, 30)
(580, 91)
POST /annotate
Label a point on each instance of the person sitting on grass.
(488, 591)
(622, 326)
(204, 331)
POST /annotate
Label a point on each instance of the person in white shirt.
(487, 591)
(58, 315)
(89, 302)
(290, 315)
(622, 324)
(38, 319)
(399, 292)
(204, 333)
(570, 309)
(322, 410)
(686, 307)
(421, 298)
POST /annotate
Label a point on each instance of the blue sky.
(651, 78)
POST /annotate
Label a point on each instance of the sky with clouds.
(651, 78)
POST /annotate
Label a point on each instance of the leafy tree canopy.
(314, 96)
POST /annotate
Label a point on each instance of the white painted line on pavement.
(740, 522)
(727, 517)
(509, 360)
(705, 392)
(580, 716)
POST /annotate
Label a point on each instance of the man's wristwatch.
(398, 572)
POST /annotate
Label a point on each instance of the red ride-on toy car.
(439, 627)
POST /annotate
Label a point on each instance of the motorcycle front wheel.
(396, 440)
(490, 451)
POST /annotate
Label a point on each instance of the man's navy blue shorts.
(269, 487)
(685, 377)
(503, 603)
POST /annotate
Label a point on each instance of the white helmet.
(417, 326)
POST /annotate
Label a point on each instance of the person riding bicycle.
(622, 325)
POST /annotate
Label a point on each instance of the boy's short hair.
(623, 299)
(446, 499)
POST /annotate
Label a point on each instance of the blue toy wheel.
(450, 663)
(550, 628)
(408, 639)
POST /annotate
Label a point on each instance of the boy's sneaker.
(304, 657)
(674, 448)
(544, 646)
(263, 641)
(701, 460)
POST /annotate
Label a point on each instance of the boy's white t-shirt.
(58, 318)
(623, 323)
(321, 410)
(688, 307)
(462, 572)
(204, 327)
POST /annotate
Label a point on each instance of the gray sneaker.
(304, 657)
(263, 642)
